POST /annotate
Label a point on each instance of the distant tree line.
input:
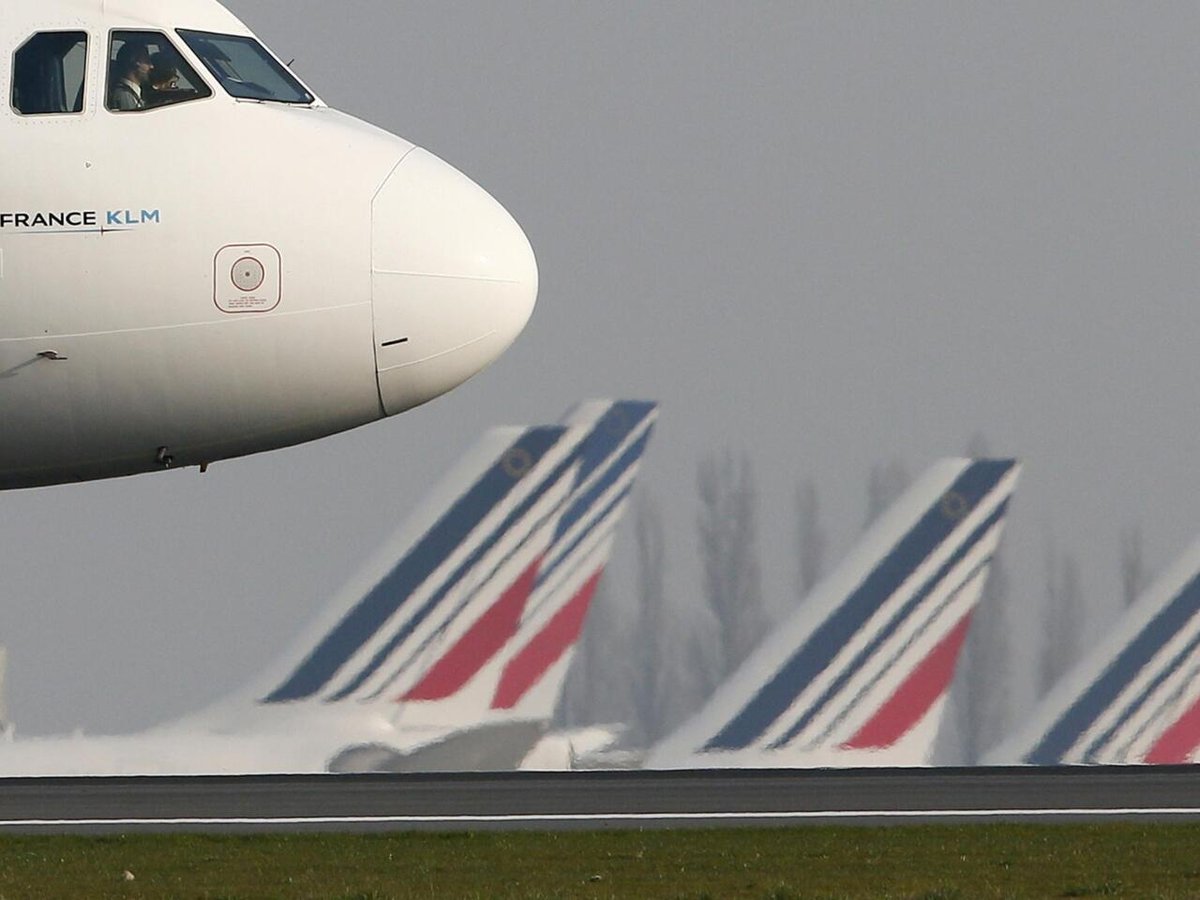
(649, 658)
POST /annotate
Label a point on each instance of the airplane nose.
(454, 280)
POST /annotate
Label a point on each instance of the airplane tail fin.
(1136, 698)
(523, 678)
(860, 672)
(485, 581)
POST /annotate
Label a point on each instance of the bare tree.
(653, 636)
(983, 694)
(597, 687)
(641, 662)
(1133, 566)
(686, 673)
(978, 446)
(732, 585)
(810, 537)
(887, 481)
(1064, 618)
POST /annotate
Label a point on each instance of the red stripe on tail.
(547, 646)
(1176, 744)
(471, 652)
(912, 700)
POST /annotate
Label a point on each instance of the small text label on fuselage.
(82, 220)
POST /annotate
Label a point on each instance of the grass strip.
(929, 862)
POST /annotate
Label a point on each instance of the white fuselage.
(225, 276)
(250, 740)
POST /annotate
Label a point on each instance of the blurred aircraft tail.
(859, 674)
(475, 608)
(1136, 697)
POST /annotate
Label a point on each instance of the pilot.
(163, 82)
(131, 73)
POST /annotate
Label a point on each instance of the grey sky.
(826, 234)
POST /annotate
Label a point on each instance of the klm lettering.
(124, 218)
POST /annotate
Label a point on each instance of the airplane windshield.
(244, 67)
(146, 72)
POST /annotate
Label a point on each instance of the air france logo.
(79, 221)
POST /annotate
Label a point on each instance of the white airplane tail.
(859, 674)
(1136, 698)
(472, 613)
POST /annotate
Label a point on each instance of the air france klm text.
(80, 219)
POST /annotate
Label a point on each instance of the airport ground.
(912, 861)
(684, 835)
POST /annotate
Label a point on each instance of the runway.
(594, 800)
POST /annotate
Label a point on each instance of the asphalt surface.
(591, 800)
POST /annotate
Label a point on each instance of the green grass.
(925, 862)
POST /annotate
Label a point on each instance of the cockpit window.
(245, 68)
(48, 73)
(146, 72)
